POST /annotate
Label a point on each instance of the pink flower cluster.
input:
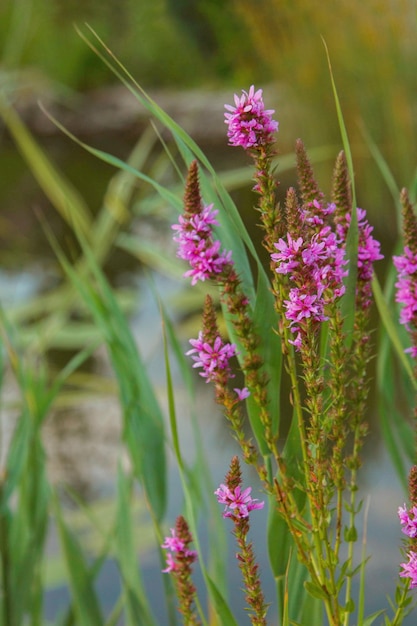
(408, 519)
(196, 246)
(410, 569)
(214, 361)
(250, 125)
(407, 290)
(212, 358)
(238, 503)
(368, 253)
(315, 265)
(176, 547)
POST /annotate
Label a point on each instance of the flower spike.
(250, 125)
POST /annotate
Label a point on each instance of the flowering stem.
(239, 504)
(402, 605)
(179, 563)
(252, 366)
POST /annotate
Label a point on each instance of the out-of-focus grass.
(32, 32)
(372, 46)
(144, 436)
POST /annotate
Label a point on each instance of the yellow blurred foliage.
(373, 51)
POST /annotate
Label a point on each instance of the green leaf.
(348, 300)
(392, 330)
(193, 484)
(143, 419)
(60, 192)
(137, 606)
(85, 602)
(221, 607)
(265, 321)
(315, 590)
(350, 534)
(289, 573)
(368, 621)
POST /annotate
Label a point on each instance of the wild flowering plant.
(321, 256)
(305, 313)
(406, 296)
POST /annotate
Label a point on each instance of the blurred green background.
(212, 44)
(193, 49)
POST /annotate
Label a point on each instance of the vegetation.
(303, 453)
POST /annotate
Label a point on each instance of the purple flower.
(303, 305)
(315, 264)
(288, 257)
(212, 358)
(250, 124)
(297, 342)
(171, 566)
(173, 543)
(316, 213)
(314, 258)
(196, 246)
(410, 569)
(406, 264)
(406, 295)
(176, 546)
(242, 394)
(237, 503)
(368, 253)
(408, 520)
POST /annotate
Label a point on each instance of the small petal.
(410, 569)
(242, 394)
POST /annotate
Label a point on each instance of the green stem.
(352, 514)
(5, 566)
(399, 614)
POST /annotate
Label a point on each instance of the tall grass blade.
(142, 416)
(348, 301)
(85, 602)
(386, 173)
(233, 235)
(137, 607)
(165, 193)
(24, 496)
(60, 192)
(392, 332)
(192, 495)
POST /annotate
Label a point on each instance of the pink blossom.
(368, 249)
(212, 358)
(288, 257)
(410, 569)
(237, 503)
(406, 295)
(368, 253)
(170, 564)
(303, 305)
(250, 125)
(242, 394)
(315, 264)
(315, 252)
(315, 261)
(297, 342)
(406, 264)
(316, 212)
(408, 520)
(196, 246)
(173, 543)
(175, 546)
